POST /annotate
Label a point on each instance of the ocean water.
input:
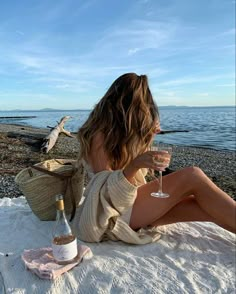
(208, 127)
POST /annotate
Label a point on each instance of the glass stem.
(160, 182)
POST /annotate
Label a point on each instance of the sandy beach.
(20, 148)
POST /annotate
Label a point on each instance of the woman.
(115, 142)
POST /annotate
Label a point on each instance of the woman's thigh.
(147, 209)
(187, 210)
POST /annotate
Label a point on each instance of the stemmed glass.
(162, 160)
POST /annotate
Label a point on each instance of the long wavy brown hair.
(126, 116)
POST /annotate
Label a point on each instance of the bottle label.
(65, 252)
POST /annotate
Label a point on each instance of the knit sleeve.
(108, 194)
(122, 193)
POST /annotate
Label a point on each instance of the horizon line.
(89, 109)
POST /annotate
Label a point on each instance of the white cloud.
(133, 51)
(196, 79)
(29, 61)
(20, 33)
(139, 35)
(230, 32)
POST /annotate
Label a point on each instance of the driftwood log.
(50, 140)
(172, 131)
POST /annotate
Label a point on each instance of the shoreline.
(20, 148)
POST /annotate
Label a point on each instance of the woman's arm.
(145, 160)
(98, 159)
(130, 171)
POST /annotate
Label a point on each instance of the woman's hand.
(148, 159)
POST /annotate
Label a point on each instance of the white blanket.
(189, 258)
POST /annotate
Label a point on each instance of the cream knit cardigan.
(108, 195)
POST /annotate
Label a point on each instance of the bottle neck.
(61, 214)
(62, 226)
(60, 208)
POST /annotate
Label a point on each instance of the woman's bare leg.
(185, 211)
(180, 185)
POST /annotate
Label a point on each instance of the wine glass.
(162, 160)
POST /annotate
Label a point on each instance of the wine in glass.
(162, 160)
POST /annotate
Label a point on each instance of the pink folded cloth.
(41, 261)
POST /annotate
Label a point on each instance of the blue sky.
(65, 54)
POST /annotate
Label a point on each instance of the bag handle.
(68, 181)
(53, 174)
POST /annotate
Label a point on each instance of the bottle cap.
(59, 197)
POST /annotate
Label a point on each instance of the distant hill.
(54, 110)
(73, 110)
(49, 109)
(173, 106)
(43, 110)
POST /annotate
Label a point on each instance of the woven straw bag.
(41, 182)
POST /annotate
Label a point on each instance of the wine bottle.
(64, 243)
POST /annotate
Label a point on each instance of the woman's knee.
(194, 171)
(194, 175)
